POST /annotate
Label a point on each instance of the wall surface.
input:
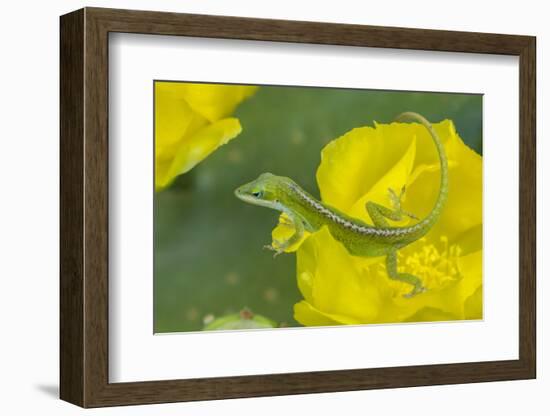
(29, 213)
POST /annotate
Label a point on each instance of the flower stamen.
(435, 264)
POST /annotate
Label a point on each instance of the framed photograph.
(256, 207)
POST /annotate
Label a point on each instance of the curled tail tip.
(407, 115)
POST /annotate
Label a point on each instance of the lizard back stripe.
(387, 232)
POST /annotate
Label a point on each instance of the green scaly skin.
(359, 238)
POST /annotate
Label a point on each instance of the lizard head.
(265, 191)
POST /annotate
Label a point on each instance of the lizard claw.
(416, 290)
(270, 247)
(408, 214)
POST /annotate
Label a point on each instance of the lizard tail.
(444, 182)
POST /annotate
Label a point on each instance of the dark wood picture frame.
(84, 207)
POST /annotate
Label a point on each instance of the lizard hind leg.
(379, 214)
(396, 202)
(391, 267)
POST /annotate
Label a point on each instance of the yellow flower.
(191, 121)
(360, 166)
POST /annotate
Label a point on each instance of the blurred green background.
(209, 259)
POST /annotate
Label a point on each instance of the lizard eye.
(257, 194)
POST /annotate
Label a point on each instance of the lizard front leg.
(280, 246)
(391, 267)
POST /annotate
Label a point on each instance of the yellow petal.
(395, 178)
(306, 267)
(196, 148)
(310, 316)
(473, 307)
(470, 240)
(353, 163)
(334, 284)
(463, 209)
(426, 153)
(174, 119)
(214, 101)
(471, 267)
(429, 314)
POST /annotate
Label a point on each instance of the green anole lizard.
(360, 239)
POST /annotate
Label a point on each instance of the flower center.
(435, 264)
